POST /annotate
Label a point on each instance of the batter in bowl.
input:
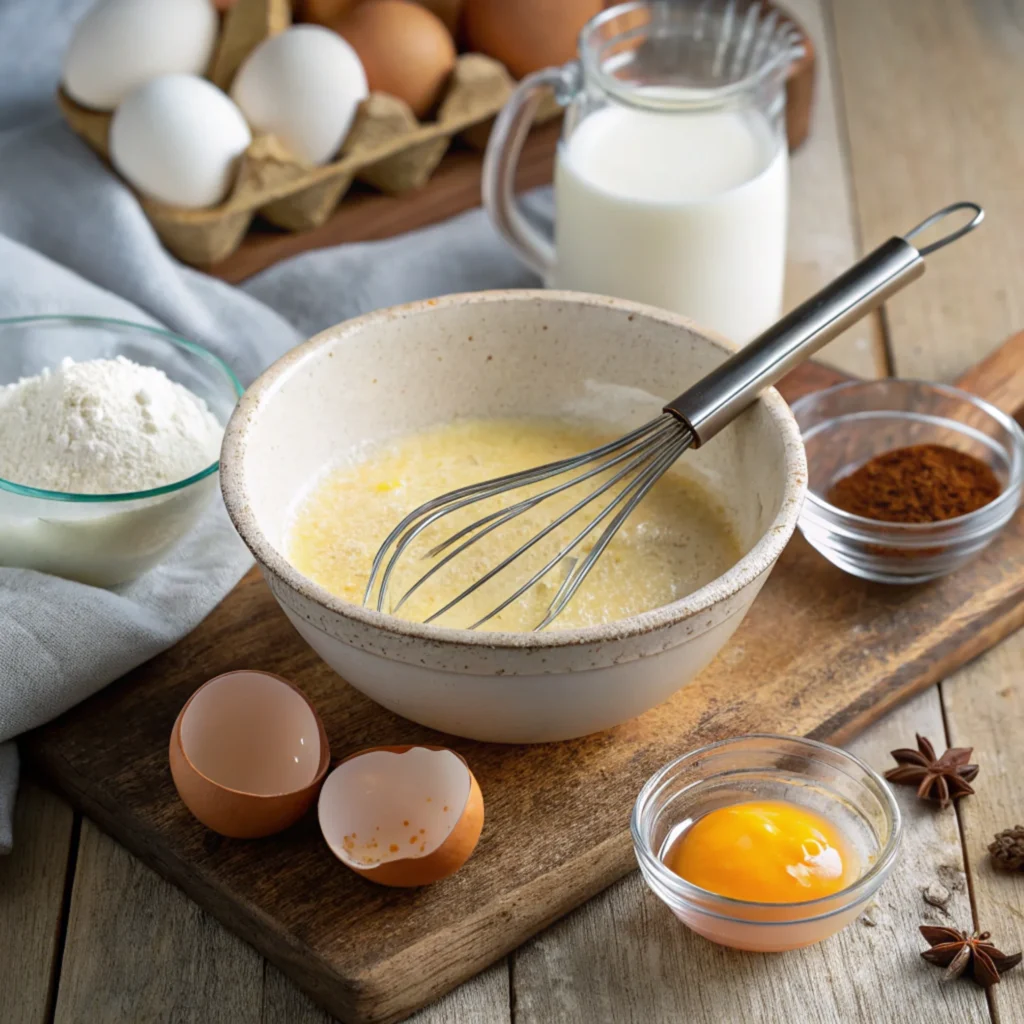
(677, 540)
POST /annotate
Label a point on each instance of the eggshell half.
(248, 754)
(403, 815)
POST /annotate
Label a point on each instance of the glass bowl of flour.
(110, 439)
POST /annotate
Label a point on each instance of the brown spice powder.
(923, 483)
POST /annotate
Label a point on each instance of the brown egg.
(526, 35)
(248, 753)
(324, 12)
(406, 51)
(449, 11)
(402, 816)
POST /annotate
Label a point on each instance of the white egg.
(178, 139)
(302, 86)
(120, 44)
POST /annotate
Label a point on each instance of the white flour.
(105, 426)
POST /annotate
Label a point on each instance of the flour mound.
(105, 426)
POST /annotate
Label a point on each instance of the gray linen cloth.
(74, 240)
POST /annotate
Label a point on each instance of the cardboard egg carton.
(386, 148)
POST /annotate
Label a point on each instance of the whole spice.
(956, 951)
(924, 483)
(1007, 849)
(943, 779)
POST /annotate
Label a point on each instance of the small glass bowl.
(829, 781)
(846, 425)
(105, 539)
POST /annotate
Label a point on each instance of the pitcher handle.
(502, 158)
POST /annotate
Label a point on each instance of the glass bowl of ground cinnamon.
(907, 480)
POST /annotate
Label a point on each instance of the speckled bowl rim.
(756, 561)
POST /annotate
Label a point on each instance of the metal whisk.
(634, 463)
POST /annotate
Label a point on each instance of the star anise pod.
(937, 778)
(1007, 848)
(958, 952)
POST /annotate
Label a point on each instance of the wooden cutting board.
(820, 654)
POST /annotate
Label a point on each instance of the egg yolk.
(766, 851)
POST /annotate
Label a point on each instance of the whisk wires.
(634, 463)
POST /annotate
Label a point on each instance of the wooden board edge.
(976, 637)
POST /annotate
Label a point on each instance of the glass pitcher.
(671, 178)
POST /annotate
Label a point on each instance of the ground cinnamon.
(924, 483)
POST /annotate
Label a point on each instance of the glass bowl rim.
(815, 505)
(877, 871)
(175, 339)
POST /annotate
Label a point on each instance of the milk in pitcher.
(671, 176)
(686, 211)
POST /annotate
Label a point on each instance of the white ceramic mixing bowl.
(502, 354)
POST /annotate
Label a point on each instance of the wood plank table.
(918, 104)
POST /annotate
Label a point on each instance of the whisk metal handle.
(724, 393)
